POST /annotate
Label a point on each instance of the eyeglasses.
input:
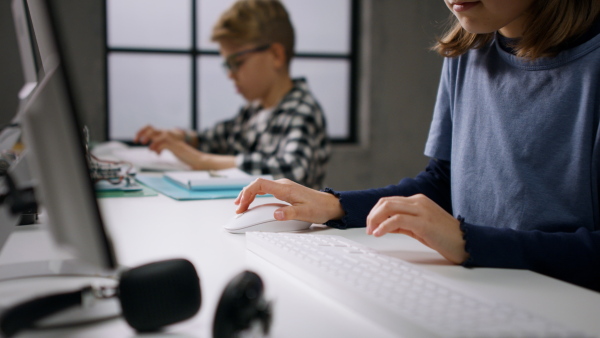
(232, 64)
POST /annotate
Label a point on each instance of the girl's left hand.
(421, 218)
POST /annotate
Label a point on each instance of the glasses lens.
(231, 63)
(226, 67)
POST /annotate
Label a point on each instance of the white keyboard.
(406, 299)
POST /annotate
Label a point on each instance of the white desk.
(147, 229)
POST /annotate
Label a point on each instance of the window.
(162, 68)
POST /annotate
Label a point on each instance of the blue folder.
(166, 187)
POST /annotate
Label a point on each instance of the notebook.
(168, 188)
(227, 179)
(141, 157)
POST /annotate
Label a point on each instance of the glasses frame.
(231, 65)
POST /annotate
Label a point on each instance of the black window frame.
(195, 52)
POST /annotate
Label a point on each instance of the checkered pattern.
(292, 142)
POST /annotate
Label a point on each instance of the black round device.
(242, 305)
(156, 295)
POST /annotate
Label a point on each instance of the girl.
(514, 176)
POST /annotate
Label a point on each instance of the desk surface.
(146, 229)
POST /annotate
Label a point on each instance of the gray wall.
(11, 77)
(399, 78)
(399, 84)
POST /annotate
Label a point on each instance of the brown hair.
(256, 21)
(553, 24)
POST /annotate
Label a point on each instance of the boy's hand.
(419, 217)
(164, 139)
(306, 204)
(149, 134)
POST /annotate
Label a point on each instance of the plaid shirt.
(292, 142)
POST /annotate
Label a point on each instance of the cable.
(10, 125)
(25, 315)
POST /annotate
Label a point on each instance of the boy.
(282, 130)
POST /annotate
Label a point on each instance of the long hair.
(552, 26)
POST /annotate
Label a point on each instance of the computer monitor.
(10, 134)
(29, 64)
(27, 46)
(53, 137)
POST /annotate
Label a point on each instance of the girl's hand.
(306, 204)
(421, 218)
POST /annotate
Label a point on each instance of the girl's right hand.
(306, 204)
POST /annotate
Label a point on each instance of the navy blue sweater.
(570, 256)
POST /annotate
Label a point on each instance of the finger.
(260, 186)
(248, 195)
(147, 137)
(238, 198)
(158, 145)
(370, 227)
(296, 212)
(387, 207)
(377, 209)
(144, 134)
(245, 198)
(139, 134)
(397, 223)
(375, 215)
(285, 213)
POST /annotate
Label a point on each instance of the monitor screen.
(26, 42)
(10, 134)
(54, 141)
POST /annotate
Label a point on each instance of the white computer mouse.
(260, 218)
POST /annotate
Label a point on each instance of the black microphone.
(158, 294)
(152, 296)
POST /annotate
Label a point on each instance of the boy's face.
(252, 69)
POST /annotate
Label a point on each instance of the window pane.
(217, 98)
(148, 89)
(209, 12)
(149, 23)
(329, 81)
(321, 26)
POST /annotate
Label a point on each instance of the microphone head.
(159, 294)
(242, 304)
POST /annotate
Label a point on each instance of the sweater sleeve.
(303, 147)
(216, 140)
(434, 182)
(570, 256)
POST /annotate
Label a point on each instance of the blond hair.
(552, 26)
(258, 22)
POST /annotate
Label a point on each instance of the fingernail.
(376, 232)
(279, 215)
